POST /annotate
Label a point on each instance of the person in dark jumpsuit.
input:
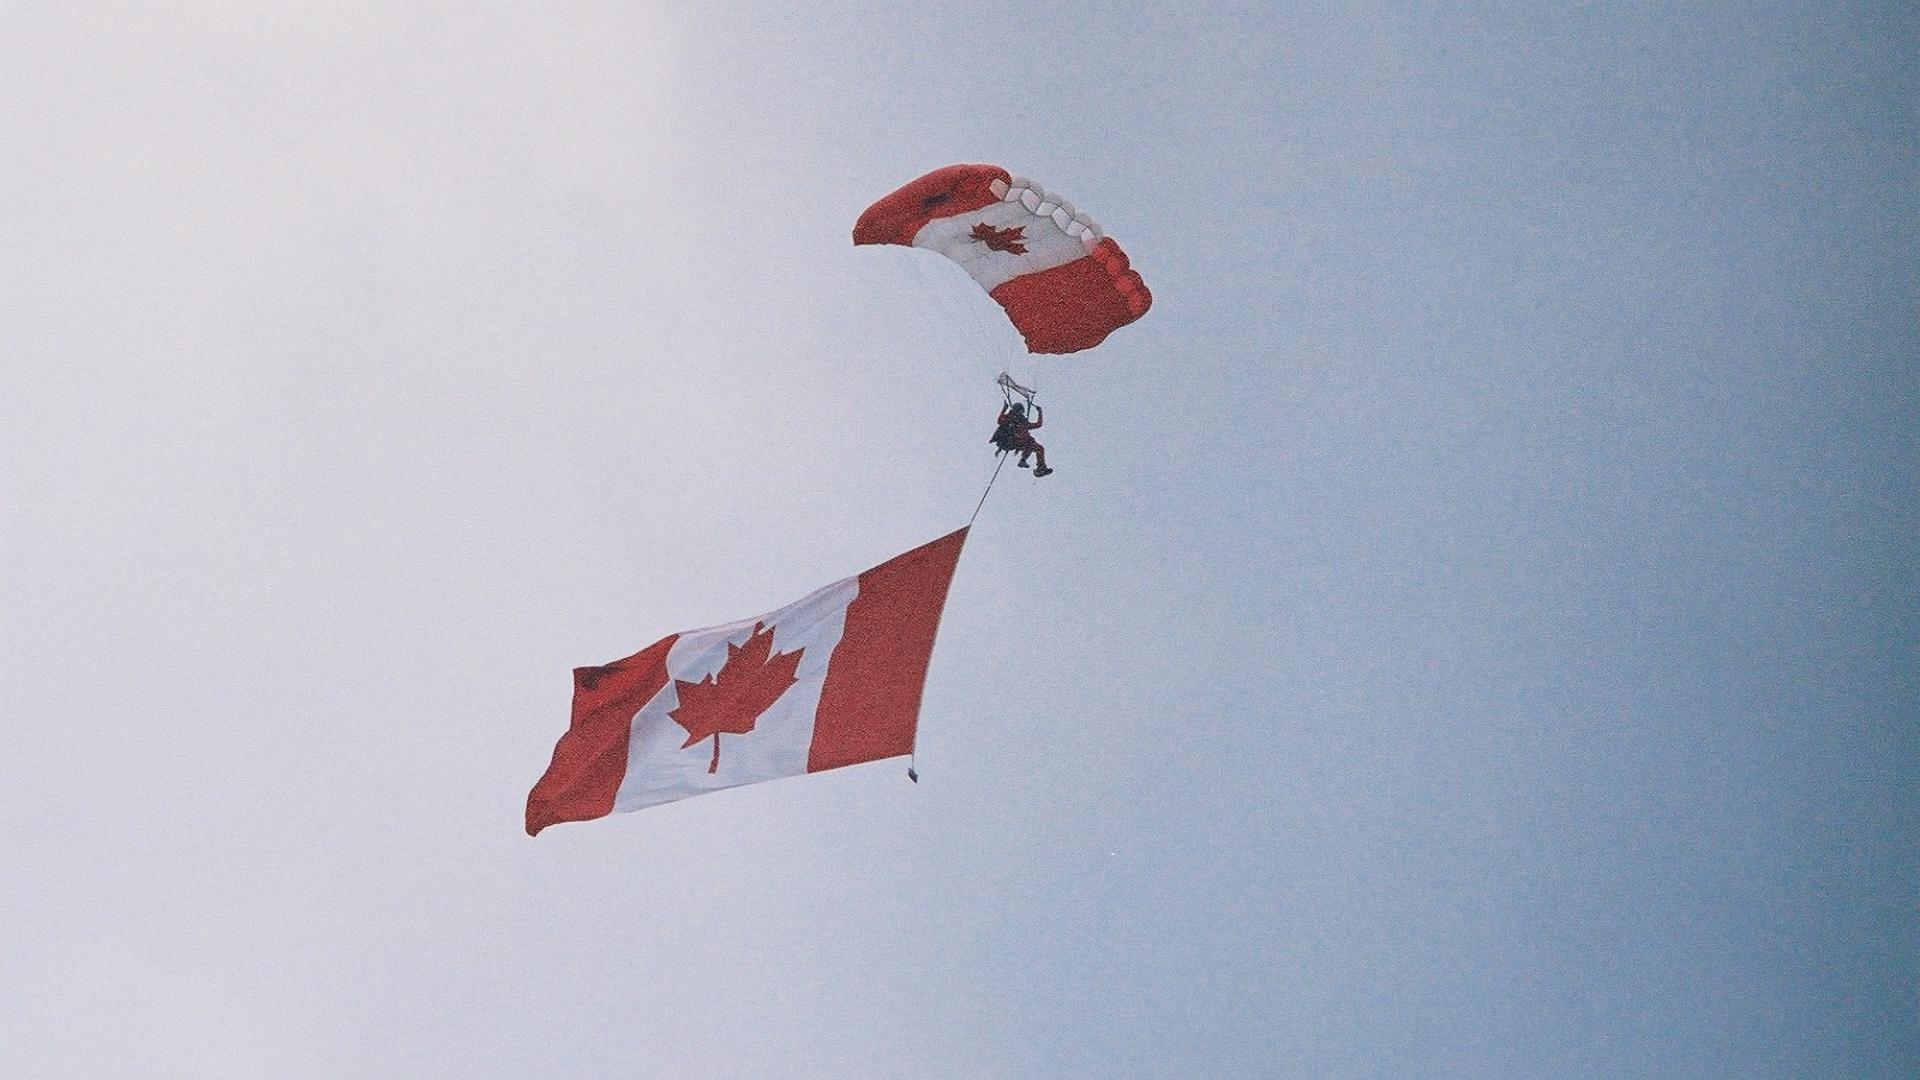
(1014, 435)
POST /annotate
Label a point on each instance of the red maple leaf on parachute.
(731, 700)
(1010, 240)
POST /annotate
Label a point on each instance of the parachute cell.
(1064, 285)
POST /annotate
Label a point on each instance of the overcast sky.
(1471, 631)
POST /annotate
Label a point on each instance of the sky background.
(1472, 630)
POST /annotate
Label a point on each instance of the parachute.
(1064, 284)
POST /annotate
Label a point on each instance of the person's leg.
(1040, 459)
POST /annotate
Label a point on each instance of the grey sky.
(1471, 631)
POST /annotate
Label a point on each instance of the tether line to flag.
(989, 489)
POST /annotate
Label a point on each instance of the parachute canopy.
(1064, 285)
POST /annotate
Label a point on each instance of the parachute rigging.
(1008, 388)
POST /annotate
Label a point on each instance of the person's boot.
(1042, 471)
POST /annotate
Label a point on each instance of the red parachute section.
(1064, 284)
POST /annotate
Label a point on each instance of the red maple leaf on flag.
(1010, 240)
(729, 701)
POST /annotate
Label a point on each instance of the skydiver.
(1013, 436)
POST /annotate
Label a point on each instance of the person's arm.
(1039, 417)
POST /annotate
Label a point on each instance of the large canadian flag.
(833, 679)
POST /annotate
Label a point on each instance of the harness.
(1007, 436)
